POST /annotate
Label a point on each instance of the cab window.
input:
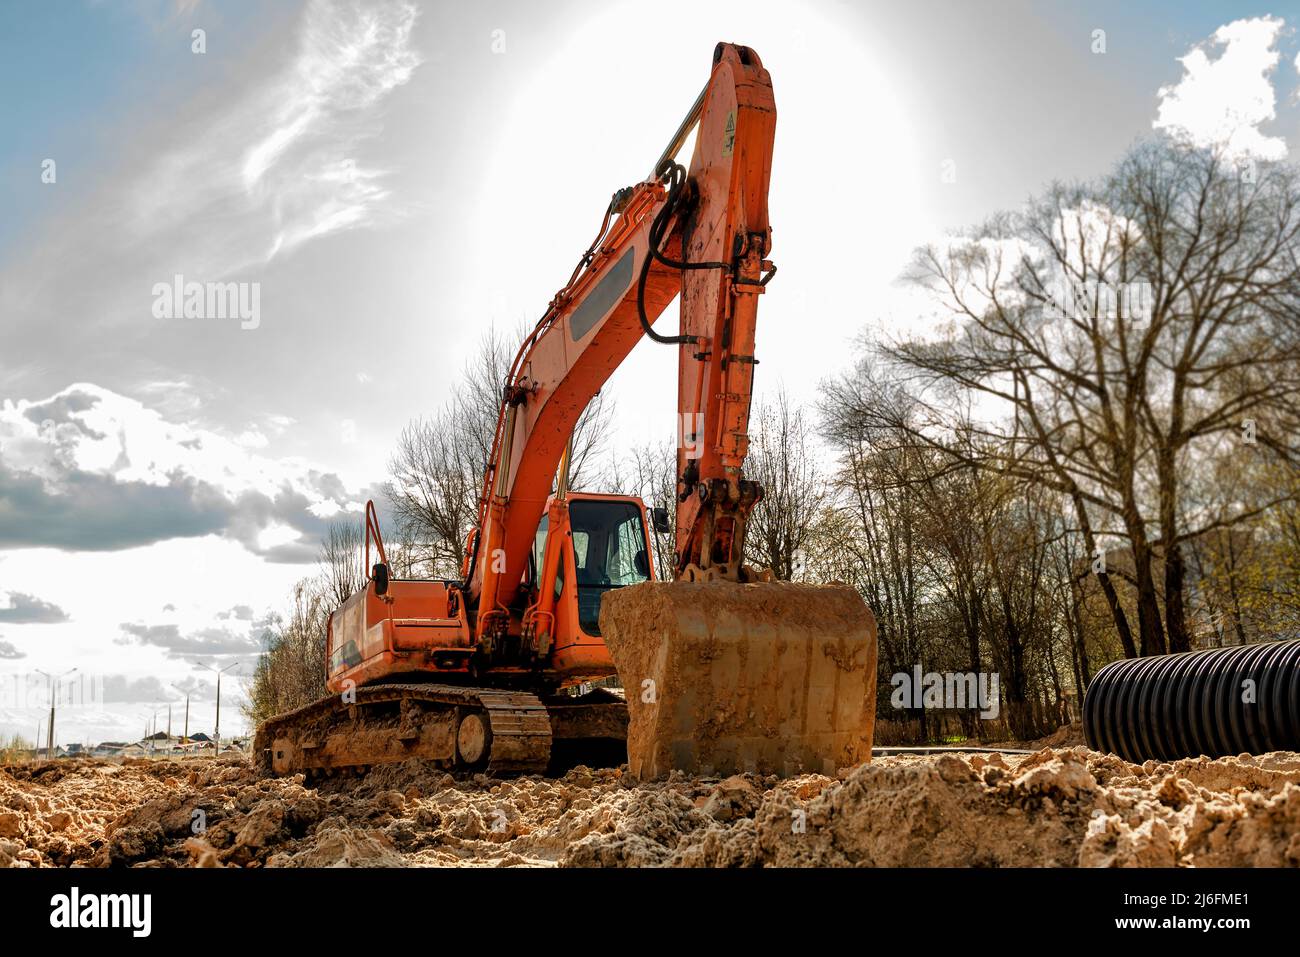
(609, 551)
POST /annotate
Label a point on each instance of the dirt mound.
(1066, 736)
(1056, 807)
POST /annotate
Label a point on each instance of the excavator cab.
(587, 546)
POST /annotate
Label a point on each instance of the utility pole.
(153, 737)
(216, 731)
(54, 683)
(148, 732)
(185, 737)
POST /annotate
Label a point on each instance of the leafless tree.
(341, 564)
(650, 472)
(1111, 333)
(783, 459)
(291, 671)
(436, 473)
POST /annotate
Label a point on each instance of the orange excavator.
(721, 668)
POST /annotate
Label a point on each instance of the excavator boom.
(701, 235)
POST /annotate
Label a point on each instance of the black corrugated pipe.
(1219, 702)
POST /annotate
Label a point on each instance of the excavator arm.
(701, 235)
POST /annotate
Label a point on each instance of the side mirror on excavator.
(380, 575)
(659, 519)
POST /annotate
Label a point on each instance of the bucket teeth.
(723, 677)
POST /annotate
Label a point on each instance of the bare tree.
(782, 458)
(1112, 333)
(436, 473)
(341, 564)
(291, 670)
(650, 473)
(957, 561)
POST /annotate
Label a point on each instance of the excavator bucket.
(723, 677)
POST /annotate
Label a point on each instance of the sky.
(382, 182)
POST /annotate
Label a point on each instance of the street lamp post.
(54, 680)
(216, 730)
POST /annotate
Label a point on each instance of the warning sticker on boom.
(729, 134)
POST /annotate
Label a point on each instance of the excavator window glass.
(609, 551)
(539, 554)
(581, 544)
(539, 548)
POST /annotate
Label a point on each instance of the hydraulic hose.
(675, 174)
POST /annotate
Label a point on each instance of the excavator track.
(501, 732)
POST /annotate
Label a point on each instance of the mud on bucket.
(723, 678)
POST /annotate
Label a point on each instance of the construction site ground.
(1058, 806)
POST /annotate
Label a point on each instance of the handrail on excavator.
(372, 531)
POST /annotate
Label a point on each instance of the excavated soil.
(1056, 807)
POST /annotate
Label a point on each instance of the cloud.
(1222, 102)
(26, 609)
(9, 652)
(219, 642)
(279, 165)
(198, 689)
(90, 470)
(119, 689)
(283, 146)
